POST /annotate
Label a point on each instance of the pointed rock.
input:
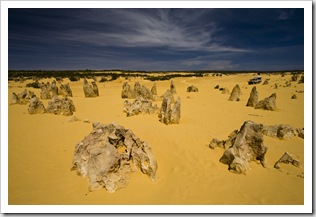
(253, 98)
(268, 103)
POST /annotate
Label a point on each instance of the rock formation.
(64, 106)
(170, 114)
(146, 93)
(224, 143)
(127, 92)
(253, 98)
(90, 90)
(45, 92)
(109, 154)
(248, 146)
(294, 77)
(154, 89)
(267, 103)
(234, 96)
(216, 87)
(301, 80)
(172, 87)
(54, 88)
(294, 96)
(287, 158)
(266, 81)
(282, 131)
(192, 88)
(139, 106)
(225, 91)
(36, 106)
(22, 98)
(65, 90)
(137, 89)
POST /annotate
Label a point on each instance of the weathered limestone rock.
(127, 92)
(146, 93)
(253, 98)
(154, 89)
(109, 154)
(224, 143)
(282, 131)
(45, 92)
(294, 77)
(235, 94)
(54, 89)
(287, 158)
(140, 106)
(64, 106)
(22, 98)
(170, 114)
(168, 94)
(36, 106)
(172, 87)
(267, 103)
(192, 88)
(266, 81)
(90, 90)
(137, 89)
(248, 146)
(65, 90)
(294, 96)
(225, 91)
(15, 99)
(301, 80)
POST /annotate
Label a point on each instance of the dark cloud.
(156, 39)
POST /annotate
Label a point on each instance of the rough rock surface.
(172, 87)
(234, 96)
(65, 90)
(253, 98)
(267, 103)
(170, 114)
(146, 93)
(301, 80)
(109, 154)
(287, 158)
(127, 92)
(54, 88)
(22, 98)
(192, 88)
(224, 143)
(294, 77)
(45, 94)
(248, 146)
(36, 106)
(90, 90)
(64, 106)
(139, 106)
(154, 89)
(282, 131)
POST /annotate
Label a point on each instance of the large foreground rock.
(248, 146)
(140, 106)
(109, 154)
(36, 106)
(268, 103)
(253, 98)
(64, 106)
(235, 95)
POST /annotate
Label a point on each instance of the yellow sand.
(41, 147)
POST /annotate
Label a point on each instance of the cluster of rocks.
(109, 154)
(268, 103)
(287, 158)
(22, 98)
(64, 106)
(138, 90)
(90, 90)
(246, 145)
(139, 106)
(51, 90)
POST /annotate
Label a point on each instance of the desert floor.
(41, 146)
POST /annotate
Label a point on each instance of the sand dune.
(41, 147)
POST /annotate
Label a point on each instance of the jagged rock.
(137, 89)
(54, 89)
(64, 106)
(139, 106)
(287, 158)
(192, 88)
(294, 96)
(170, 114)
(109, 154)
(22, 98)
(225, 91)
(248, 146)
(36, 106)
(235, 94)
(266, 82)
(294, 77)
(90, 90)
(15, 99)
(45, 92)
(127, 92)
(301, 80)
(282, 131)
(65, 90)
(253, 98)
(154, 89)
(267, 103)
(172, 87)
(224, 143)
(146, 93)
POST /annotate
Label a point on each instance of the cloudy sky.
(156, 39)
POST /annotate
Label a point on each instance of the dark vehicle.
(255, 80)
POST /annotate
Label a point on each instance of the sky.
(156, 39)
